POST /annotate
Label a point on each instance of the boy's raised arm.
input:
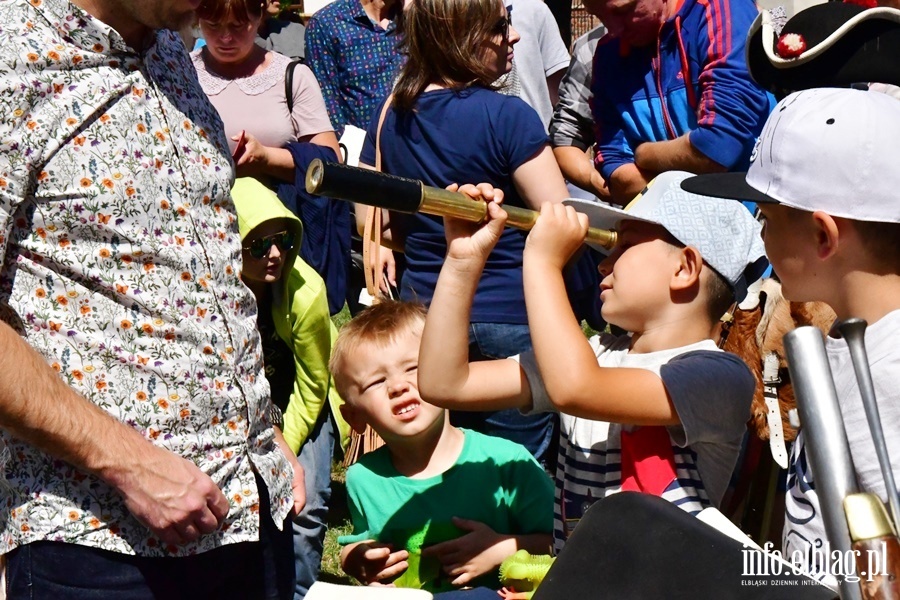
(446, 378)
(574, 381)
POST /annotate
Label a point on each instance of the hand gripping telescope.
(365, 186)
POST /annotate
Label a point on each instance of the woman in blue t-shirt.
(446, 124)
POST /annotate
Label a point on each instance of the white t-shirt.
(804, 530)
(711, 391)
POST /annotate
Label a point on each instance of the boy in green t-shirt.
(437, 507)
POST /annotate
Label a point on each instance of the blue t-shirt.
(469, 136)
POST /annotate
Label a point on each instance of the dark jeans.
(538, 433)
(250, 570)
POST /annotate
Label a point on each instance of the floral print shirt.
(120, 265)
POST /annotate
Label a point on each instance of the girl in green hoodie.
(297, 335)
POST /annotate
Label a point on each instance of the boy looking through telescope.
(664, 396)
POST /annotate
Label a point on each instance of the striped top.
(688, 464)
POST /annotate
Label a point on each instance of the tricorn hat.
(826, 45)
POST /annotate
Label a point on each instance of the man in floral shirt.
(132, 403)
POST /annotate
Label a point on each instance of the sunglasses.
(502, 26)
(260, 247)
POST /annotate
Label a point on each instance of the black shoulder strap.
(289, 84)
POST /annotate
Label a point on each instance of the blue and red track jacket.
(640, 93)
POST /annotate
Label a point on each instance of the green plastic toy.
(521, 574)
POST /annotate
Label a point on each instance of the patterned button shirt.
(354, 60)
(120, 266)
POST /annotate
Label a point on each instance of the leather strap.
(372, 251)
(289, 84)
(773, 410)
(289, 93)
(374, 224)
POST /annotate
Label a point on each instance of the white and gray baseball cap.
(725, 233)
(829, 149)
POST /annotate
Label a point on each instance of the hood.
(256, 204)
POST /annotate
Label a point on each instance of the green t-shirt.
(494, 481)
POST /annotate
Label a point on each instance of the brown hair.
(881, 241)
(381, 325)
(719, 295)
(242, 11)
(442, 40)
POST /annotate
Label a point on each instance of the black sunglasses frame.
(502, 26)
(260, 247)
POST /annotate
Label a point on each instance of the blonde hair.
(381, 325)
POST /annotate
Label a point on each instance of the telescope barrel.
(365, 186)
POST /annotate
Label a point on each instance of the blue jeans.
(537, 433)
(309, 527)
(245, 570)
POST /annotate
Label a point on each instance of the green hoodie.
(300, 313)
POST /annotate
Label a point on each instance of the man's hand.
(577, 166)
(387, 268)
(171, 496)
(298, 481)
(165, 492)
(298, 486)
(557, 235)
(371, 562)
(599, 187)
(627, 181)
(467, 241)
(470, 556)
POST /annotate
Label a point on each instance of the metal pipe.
(365, 186)
(826, 439)
(854, 332)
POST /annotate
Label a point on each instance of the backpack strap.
(289, 84)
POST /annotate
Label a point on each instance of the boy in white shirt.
(825, 177)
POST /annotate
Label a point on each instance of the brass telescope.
(365, 186)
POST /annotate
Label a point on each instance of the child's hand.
(371, 562)
(479, 551)
(467, 240)
(558, 233)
